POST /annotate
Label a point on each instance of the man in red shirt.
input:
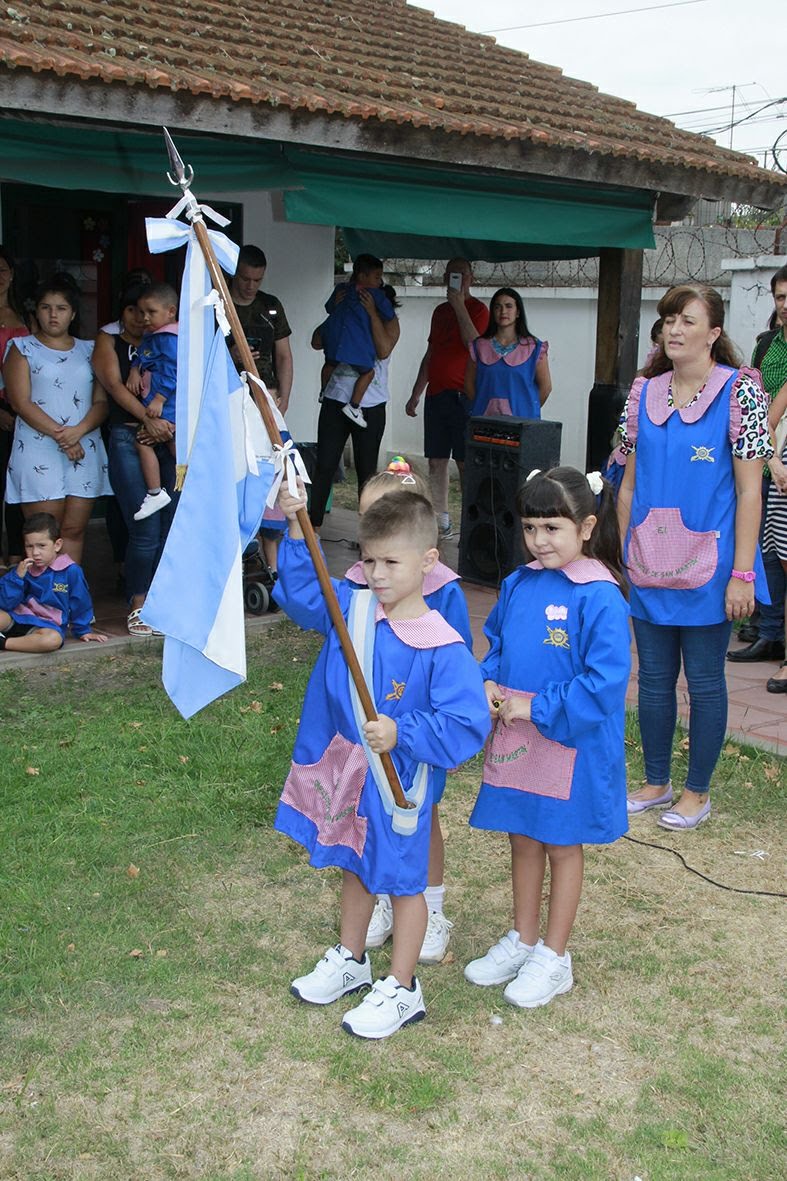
(442, 374)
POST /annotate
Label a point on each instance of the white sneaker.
(544, 975)
(336, 974)
(385, 1009)
(435, 944)
(381, 923)
(501, 963)
(354, 413)
(153, 503)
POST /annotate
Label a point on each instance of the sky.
(670, 60)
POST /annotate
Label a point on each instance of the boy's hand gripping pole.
(182, 175)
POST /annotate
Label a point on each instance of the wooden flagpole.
(183, 178)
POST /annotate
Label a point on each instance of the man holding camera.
(265, 324)
(455, 324)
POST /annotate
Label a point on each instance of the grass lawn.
(150, 922)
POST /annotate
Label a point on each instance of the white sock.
(519, 943)
(154, 492)
(435, 896)
(444, 519)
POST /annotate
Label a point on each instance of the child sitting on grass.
(347, 333)
(153, 378)
(442, 593)
(45, 594)
(337, 802)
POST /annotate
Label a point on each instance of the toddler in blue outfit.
(153, 379)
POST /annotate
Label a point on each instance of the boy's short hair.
(41, 523)
(252, 256)
(163, 293)
(393, 513)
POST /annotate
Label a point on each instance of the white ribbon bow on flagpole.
(196, 324)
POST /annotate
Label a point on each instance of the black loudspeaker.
(500, 454)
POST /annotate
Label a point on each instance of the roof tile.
(357, 59)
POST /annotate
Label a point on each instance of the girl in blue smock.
(555, 677)
(689, 508)
(508, 371)
(442, 593)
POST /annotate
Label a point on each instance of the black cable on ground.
(705, 878)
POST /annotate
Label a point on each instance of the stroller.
(258, 580)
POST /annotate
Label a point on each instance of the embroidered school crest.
(702, 453)
(558, 636)
(396, 691)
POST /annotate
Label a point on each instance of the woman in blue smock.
(695, 428)
(508, 371)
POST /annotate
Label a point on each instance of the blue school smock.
(562, 635)
(427, 681)
(443, 594)
(157, 355)
(347, 333)
(680, 543)
(506, 384)
(56, 597)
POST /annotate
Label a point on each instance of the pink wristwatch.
(744, 575)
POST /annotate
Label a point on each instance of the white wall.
(751, 303)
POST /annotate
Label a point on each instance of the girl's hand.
(290, 505)
(75, 452)
(778, 473)
(494, 697)
(67, 436)
(739, 599)
(514, 708)
(99, 637)
(381, 735)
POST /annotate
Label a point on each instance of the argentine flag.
(196, 597)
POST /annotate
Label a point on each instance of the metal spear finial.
(184, 173)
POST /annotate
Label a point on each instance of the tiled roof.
(371, 60)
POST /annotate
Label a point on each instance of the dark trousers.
(13, 514)
(333, 430)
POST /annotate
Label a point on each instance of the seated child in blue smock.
(443, 593)
(337, 802)
(555, 676)
(153, 378)
(347, 333)
(45, 595)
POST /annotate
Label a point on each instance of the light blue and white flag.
(231, 469)
(196, 598)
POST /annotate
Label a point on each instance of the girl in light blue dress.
(58, 463)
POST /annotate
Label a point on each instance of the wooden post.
(617, 342)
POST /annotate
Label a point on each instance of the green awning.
(134, 162)
(398, 210)
(391, 208)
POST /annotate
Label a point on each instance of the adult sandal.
(636, 807)
(136, 626)
(675, 822)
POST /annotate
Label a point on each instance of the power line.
(594, 16)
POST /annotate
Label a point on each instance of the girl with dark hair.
(58, 464)
(12, 324)
(555, 678)
(689, 509)
(508, 371)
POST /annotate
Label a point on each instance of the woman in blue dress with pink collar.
(508, 370)
(695, 429)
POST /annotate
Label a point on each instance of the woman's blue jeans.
(145, 538)
(703, 650)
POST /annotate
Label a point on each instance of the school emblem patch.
(396, 691)
(703, 454)
(557, 638)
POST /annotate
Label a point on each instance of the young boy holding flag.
(336, 801)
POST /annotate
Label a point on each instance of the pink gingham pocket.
(662, 552)
(518, 756)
